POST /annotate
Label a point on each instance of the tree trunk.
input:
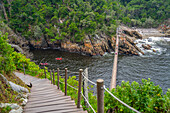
(17, 48)
(9, 8)
(5, 14)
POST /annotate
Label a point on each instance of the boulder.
(18, 88)
(19, 110)
(148, 47)
(127, 32)
(154, 50)
(136, 34)
(39, 44)
(15, 107)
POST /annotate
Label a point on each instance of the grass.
(7, 95)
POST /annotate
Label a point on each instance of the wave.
(158, 45)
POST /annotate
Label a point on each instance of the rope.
(69, 85)
(89, 80)
(73, 72)
(70, 71)
(62, 74)
(62, 70)
(72, 87)
(61, 82)
(88, 102)
(120, 101)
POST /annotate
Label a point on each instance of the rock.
(136, 34)
(19, 110)
(15, 107)
(148, 47)
(14, 86)
(21, 95)
(4, 79)
(39, 44)
(71, 47)
(97, 44)
(129, 39)
(154, 50)
(18, 88)
(128, 32)
(132, 33)
(89, 47)
(24, 101)
(12, 105)
(139, 49)
(167, 33)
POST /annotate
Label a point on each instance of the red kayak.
(58, 58)
(44, 63)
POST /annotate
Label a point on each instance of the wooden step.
(46, 98)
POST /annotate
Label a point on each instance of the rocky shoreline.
(95, 45)
(152, 32)
(98, 44)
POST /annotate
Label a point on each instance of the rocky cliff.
(95, 45)
(91, 45)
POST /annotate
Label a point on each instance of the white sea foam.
(157, 44)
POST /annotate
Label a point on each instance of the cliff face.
(96, 45)
(91, 45)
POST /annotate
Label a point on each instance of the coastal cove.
(84, 56)
(130, 68)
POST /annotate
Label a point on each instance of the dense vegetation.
(144, 97)
(73, 19)
(7, 66)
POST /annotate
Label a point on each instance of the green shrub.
(6, 60)
(145, 97)
(5, 109)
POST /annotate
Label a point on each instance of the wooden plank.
(40, 92)
(50, 103)
(52, 108)
(42, 100)
(40, 89)
(45, 96)
(70, 111)
(58, 111)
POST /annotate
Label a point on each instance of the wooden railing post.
(53, 77)
(100, 96)
(85, 87)
(79, 88)
(24, 68)
(44, 71)
(65, 81)
(58, 78)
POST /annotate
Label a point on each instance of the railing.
(100, 88)
(66, 84)
(100, 91)
(100, 96)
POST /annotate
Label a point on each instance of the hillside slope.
(51, 23)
